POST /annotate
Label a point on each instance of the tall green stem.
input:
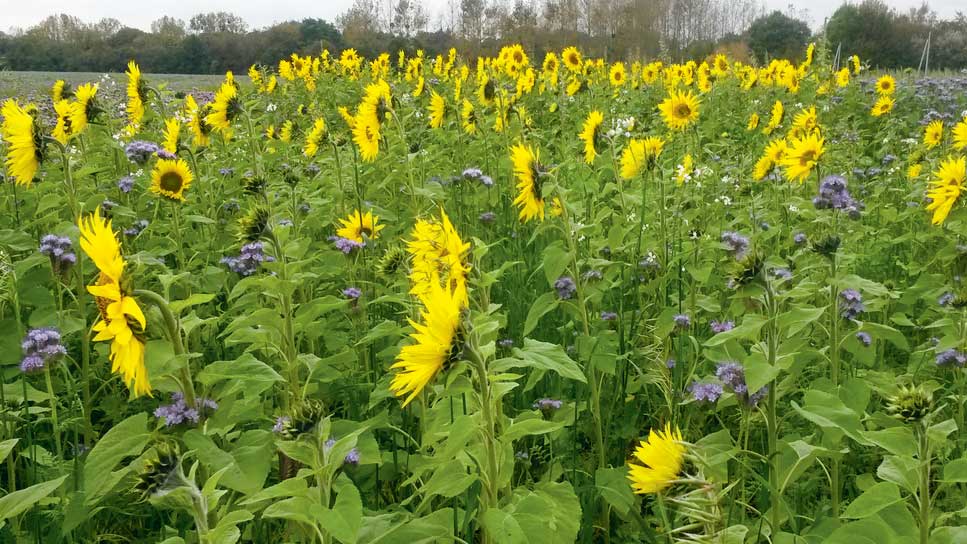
(491, 480)
(923, 489)
(174, 334)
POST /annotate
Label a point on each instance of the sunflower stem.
(923, 489)
(174, 334)
(665, 521)
(491, 479)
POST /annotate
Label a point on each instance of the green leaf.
(346, 516)
(896, 440)
(796, 320)
(873, 500)
(612, 484)
(556, 259)
(878, 330)
(525, 427)
(126, 439)
(194, 300)
(226, 531)
(502, 527)
(828, 412)
(758, 372)
(939, 431)
(18, 502)
(544, 356)
(293, 487)
(246, 374)
(544, 304)
(6, 447)
(449, 480)
(747, 330)
(955, 471)
(900, 470)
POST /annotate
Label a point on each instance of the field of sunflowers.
(514, 299)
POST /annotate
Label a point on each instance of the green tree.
(777, 35)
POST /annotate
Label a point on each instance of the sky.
(261, 13)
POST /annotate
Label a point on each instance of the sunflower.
(359, 228)
(63, 130)
(314, 137)
(883, 106)
(640, 155)
(469, 118)
(438, 257)
(224, 108)
(617, 75)
(660, 460)
(170, 178)
(486, 92)
(24, 142)
(685, 169)
(437, 343)
(855, 60)
(84, 109)
(945, 189)
(196, 120)
(172, 135)
(960, 135)
(804, 122)
(366, 135)
(377, 102)
(60, 90)
(120, 313)
(802, 156)
(933, 134)
(914, 170)
(679, 110)
(590, 135)
(528, 171)
(137, 95)
(753, 122)
(572, 59)
(775, 118)
(438, 107)
(886, 85)
(842, 77)
(286, 131)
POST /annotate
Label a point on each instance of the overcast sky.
(261, 13)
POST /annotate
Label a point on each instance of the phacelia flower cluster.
(833, 195)
(732, 374)
(179, 412)
(736, 244)
(60, 251)
(850, 303)
(41, 347)
(249, 260)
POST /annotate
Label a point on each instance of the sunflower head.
(393, 260)
(657, 462)
(679, 110)
(886, 85)
(161, 475)
(170, 178)
(591, 135)
(254, 224)
(910, 404)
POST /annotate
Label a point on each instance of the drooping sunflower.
(886, 85)
(883, 106)
(659, 461)
(437, 343)
(366, 134)
(60, 90)
(528, 170)
(802, 156)
(314, 137)
(753, 122)
(591, 134)
(84, 109)
(679, 109)
(137, 91)
(224, 108)
(122, 321)
(772, 157)
(438, 107)
(360, 227)
(469, 118)
(171, 135)
(946, 188)
(24, 142)
(960, 135)
(170, 178)
(640, 155)
(572, 59)
(933, 134)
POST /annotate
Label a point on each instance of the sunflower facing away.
(753, 122)
(775, 118)
(438, 107)
(802, 156)
(84, 108)
(437, 343)
(199, 129)
(640, 155)
(657, 461)
(170, 178)
(527, 169)
(679, 110)
(590, 134)
(933, 134)
(359, 227)
(224, 108)
(24, 142)
(63, 130)
(771, 158)
(122, 321)
(137, 95)
(172, 135)
(945, 189)
(469, 118)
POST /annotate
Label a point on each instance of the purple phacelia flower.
(864, 338)
(705, 391)
(346, 245)
(41, 347)
(139, 151)
(608, 316)
(951, 357)
(800, 238)
(682, 321)
(488, 217)
(125, 184)
(352, 458)
(352, 293)
(60, 251)
(721, 326)
(249, 259)
(136, 228)
(179, 412)
(946, 299)
(565, 287)
(850, 303)
(736, 244)
(547, 405)
(281, 422)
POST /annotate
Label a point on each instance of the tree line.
(614, 29)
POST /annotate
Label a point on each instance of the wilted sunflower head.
(162, 474)
(304, 418)
(827, 247)
(910, 403)
(748, 270)
(254, 224)
(254, 185)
